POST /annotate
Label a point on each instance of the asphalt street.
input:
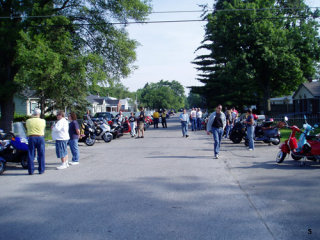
(163, 187)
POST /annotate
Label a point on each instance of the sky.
(166, 50)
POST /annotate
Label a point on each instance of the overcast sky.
(167, 49)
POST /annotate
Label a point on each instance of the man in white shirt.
(199, 118)
(193, 115)
(60, 133)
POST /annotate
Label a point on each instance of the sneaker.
(74, 163)
(67, 163)
(142, 136)
(250, 149)
(63, 166)
(187, 136)
(216, 156)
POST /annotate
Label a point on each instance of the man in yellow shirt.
(35, 131)
(155, 118)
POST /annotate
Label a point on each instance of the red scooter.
(308, 146)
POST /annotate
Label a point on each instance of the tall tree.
(256, 50)
(91, 32)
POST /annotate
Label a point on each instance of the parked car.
(105, 115)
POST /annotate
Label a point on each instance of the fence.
(298, 119)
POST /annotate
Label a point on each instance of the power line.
(170, 12)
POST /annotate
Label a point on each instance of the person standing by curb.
(250, 129)
(60, 133)
(35, 130)
(184, 118)
(74, 133)
(164, 118)
(155, 118)
(193, 116)
(132, 121)
(216, 125)
(140, 122)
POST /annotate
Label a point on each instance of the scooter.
(87, 133)
(264, 132)
(308, 147)
(102, 130)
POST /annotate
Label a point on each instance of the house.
(307, 98)
(127, 105)
(281, 104)
(103, 104)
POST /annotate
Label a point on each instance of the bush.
(20, 117)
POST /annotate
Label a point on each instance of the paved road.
(163, 187)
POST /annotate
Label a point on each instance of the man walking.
(184, 118)
(35, 130)
(216, 125)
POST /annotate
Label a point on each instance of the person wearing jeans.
(193, 116)
(184, 118)
(216, 125)
(74, 133)
(250, 129)
(35, 130)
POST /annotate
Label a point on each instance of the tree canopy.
(162, 95)
(257, 50)
(61, 47)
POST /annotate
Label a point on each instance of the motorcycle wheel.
(2, 167)
(107, 138)
(24, 161)
(90, 141)
(295, 157)
(276, 143)
(280, 156)
(235, 139)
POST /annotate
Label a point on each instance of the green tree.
(264, 50)
(162, 95)
(91, 33)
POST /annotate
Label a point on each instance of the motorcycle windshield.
(19, 130)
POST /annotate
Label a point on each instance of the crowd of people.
(63, 132)
(66, 132)
(219, 124)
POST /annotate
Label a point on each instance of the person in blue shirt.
(184, 118)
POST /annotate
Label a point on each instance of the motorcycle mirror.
(286, 118)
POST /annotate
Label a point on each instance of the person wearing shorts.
(60, 133)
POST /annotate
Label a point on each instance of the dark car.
(106, 115)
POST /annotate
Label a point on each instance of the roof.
(312, 87)
(112, 102)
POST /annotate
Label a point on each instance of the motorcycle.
(88, 133)
(14, 147)
(308, 146)
(264, 132)
(238, 132)
(116, 128)
(102, 130)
